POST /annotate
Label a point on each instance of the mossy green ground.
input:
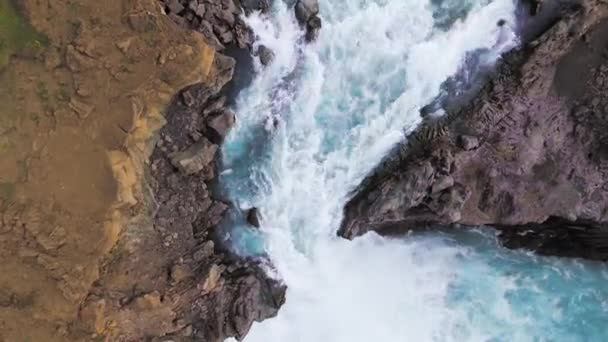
(15, 33)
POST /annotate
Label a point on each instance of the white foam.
(374, 66)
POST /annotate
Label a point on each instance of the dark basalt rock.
(560, 237)
(220, 124)
(224, 294)
(313, 26)
(306, 9)
(253, 217)
(218, 21)
(530, 146)
(307, 14)
(265, 54)
(244, 297)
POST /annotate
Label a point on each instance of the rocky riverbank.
(111, 116)
(527, 155)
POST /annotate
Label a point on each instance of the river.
(317, 120)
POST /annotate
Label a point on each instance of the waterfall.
(316, 121)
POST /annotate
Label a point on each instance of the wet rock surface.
(307, 13)
(253, 217)
(266, 55)
(223, 295)
(530, 147)
(219, 21)
(559, 236)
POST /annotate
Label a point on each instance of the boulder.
(312, 28)
(227, 17)
(214, 105)
(220, 125)
(265, 55)
(215, 214)
(306, 9)
(234, 302)
(174, 6)
(243, 35)
(307, 14)
(441, 183)
(467, 142)
(195, 158)
(224, 67)
(253, 217)
(224, 34)
(199, 9)
(206, 29)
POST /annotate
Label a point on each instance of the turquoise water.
(316, 121)
(518, 295)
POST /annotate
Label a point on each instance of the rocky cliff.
(111, 116)
(528, 155)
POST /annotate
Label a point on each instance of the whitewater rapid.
(316, 121)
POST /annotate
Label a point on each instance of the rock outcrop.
(219, 21)
(265, 54)
(253, 217)
(221, 24)
(307, 13)
(181, 284)
(529, 151)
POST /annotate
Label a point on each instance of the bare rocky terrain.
(527, 155)
(106, 220)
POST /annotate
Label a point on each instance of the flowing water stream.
(316, 121)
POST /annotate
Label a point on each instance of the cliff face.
(529, 151)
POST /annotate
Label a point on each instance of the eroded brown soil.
(75, 126)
